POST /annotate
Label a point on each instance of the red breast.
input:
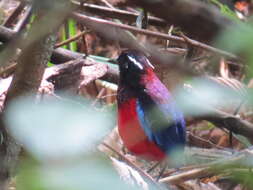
(133, 135)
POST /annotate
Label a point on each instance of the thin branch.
(117, 13)
(209, 169)
(196, 18)
(24, 20)
(185, 176)
(230, 122)
(73, 38)
(100, 94)
(10, 20)
(83, 19)
(108, 4)
(7, 71)
(206, 141)
(144, 174)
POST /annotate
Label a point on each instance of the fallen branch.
(230, 122)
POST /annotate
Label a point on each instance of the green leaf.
(54, 129)
(238, 39)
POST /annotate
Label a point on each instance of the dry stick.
(100, 94)
(108, 4)
(206, 141)
(24, 20)
(8, 70)
(169, 33)
(206, 171)
(117, 13)
(9, 21)
(185, 176)
(228, 121)
(132, 165)
(84, 40)
(184, 169)
(84, 18)
(75, 37)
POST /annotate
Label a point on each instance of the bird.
(150, 124)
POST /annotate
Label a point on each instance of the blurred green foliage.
(239, 39)
(224, 9)
(60, 138)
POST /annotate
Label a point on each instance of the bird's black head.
(133, 65)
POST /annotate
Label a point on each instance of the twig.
(185, 176)
(8, 70)
(196, 18)
(75, 37)
(206, 141)
(108, 4)
(147, 176)
(83, 19)
(23, 21)
(209, 169)
(117, 13)
(100, 94)
(230, 122)
(9, 21)
(169, 33)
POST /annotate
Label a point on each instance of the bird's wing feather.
(162, 122)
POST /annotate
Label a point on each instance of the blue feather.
(162, 122)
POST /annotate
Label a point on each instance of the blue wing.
(161, 120)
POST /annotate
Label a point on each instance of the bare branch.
(117, 13)
(84, 19)
(194, 17)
